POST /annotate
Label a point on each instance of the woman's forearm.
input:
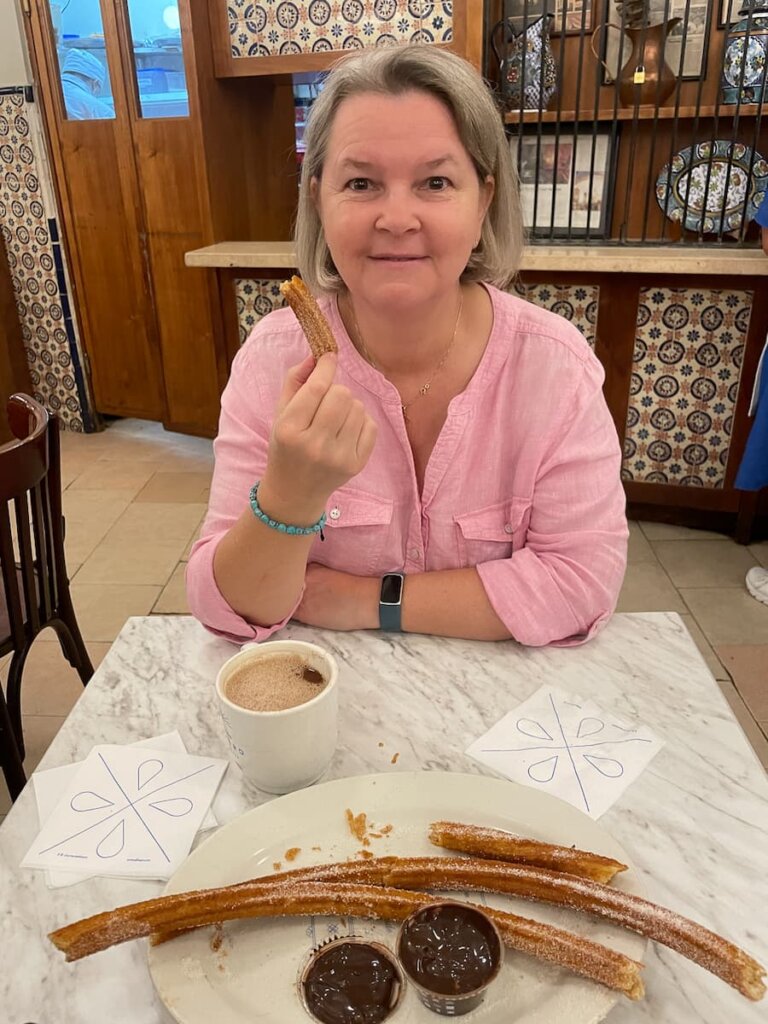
(452, 603)
(259, 570)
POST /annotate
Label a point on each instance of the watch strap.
(390, 612)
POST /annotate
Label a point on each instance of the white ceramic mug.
(279, 751)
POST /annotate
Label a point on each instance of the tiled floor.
(134, 499)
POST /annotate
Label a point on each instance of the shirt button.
(415, 554)
(335, 512)
(508, 528)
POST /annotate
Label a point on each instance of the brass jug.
(646, 77)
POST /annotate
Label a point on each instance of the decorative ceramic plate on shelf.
(716, 186)
(249, 973)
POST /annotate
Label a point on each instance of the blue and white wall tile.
(30, 236)
(577, 303)
(686, 373)
(270, 28)
(255, 298)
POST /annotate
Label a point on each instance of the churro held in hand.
(313, 323)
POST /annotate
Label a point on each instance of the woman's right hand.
(322, 437)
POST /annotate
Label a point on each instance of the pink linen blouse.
(523, 482)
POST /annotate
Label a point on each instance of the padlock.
(639, 75)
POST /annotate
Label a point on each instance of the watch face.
(391, 589)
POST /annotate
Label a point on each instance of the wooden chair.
(35, 586)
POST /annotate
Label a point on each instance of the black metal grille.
(648, 132)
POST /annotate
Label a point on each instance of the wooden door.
(165, 161)
(104, 238)
(172, 187)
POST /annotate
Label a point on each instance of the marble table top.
(695, 823)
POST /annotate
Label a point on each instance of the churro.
(265, 898)
(316, 328)
(693, 941)
(499, 845)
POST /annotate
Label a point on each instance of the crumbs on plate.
(364, 831)
(217, 937)
(293, 853)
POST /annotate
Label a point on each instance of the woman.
(753, 470)
(454, 470)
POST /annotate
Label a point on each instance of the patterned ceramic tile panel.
(255, 298)
(270, 28)
(30, 236)
(687, 365)
(577, 303)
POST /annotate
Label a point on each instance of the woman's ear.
(314, 191)
(487, 190)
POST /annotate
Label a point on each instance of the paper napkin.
(51, 784)
(128, 811)
(569, 747)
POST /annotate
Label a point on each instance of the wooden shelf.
(644, 113)
(308, 64)
(624, 259)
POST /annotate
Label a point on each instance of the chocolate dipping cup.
(452, 1004)
(315, 954)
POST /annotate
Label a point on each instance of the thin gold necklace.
(424, 389)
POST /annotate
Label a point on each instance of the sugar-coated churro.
(316, 328)
(263, 898)
(691, 940)
(500, 845)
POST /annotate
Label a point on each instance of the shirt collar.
(495, 355)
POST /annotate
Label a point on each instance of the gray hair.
(393, 71)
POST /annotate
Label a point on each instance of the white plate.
(252, 976)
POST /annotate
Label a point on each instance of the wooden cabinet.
(645, 138)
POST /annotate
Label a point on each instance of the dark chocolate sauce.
(448, 949)
(351, 983)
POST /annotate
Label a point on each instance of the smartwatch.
(391, 602)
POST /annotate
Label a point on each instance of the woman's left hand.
(338, 600)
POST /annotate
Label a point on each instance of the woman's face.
(399, 199)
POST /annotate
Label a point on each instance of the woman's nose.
(397, 212)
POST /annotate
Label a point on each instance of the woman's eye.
(437, 183)
(358, 184)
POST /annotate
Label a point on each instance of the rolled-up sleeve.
(241, 457)
(563, 585)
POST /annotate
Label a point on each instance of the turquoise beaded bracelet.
(298, 531)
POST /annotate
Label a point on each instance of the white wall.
(13, 56)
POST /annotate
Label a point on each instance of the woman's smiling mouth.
(398, 259)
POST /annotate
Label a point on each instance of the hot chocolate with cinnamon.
(274, 682)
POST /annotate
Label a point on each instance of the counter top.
(671, 259)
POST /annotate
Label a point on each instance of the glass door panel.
(158, 55)
(82, 63)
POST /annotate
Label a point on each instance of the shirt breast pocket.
(356, 532)
(492, 532)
